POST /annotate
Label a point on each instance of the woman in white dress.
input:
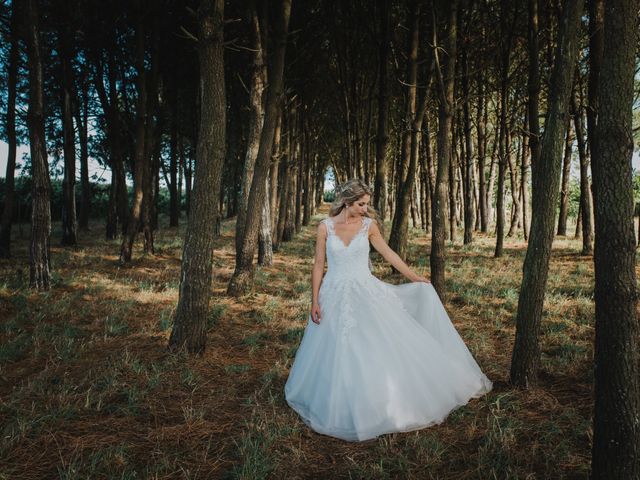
(375, 358)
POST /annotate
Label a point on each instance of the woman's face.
(359, 207)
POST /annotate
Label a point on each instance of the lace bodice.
(347, 261)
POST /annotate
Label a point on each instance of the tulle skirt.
(385, 358)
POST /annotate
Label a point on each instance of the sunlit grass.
(87, 380)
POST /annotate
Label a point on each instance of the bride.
(375, 358)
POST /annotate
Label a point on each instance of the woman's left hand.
(422, 279)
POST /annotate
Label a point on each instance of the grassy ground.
(88, 390)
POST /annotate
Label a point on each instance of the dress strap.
(366, 222)
(328, 222)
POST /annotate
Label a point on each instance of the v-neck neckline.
(345, 245)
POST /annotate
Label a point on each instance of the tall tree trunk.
(274, 179)
(524, 179)
(82, 121)
(133, 225)
(481, 136)
(382, 137)
(242, 279)
(152, 146)
(596, 46)
(407, 167)
(283, 202)
(453, 204)
(585, 190)
(69, 222)
(533, 87)
(290, 217)
(256, 121)
(118, 199)
(174, 198)
(616, 423)
(192, 313)
(39, 256)
(546, 186)
(469, 212)
(564, 184)
(515, 187)
(265, 245)
(9, 193)
(445, 112)
(505, 55)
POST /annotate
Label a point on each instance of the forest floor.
(88, 389)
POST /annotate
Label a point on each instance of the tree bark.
(9, 193)
(516, 207)
(242, 279)
(505, 54)
(82, 121)
(382, 137)
(524, 179)
(533, 109)
(174, 198)
(469, 212)
(69, 222)
(481, 136)
(256, 121)
(192, 313)
(274, 179)
(39, 255)
(118, 198)
(564, 184)
(616, 423)
(265, 245)
(585, 190)
(545, 191)
(445, 112)
(135, 216)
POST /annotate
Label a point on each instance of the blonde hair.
(350, 192)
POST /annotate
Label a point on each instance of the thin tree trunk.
(274, 170)
(242, 279)
(505, 54)
(82, 121)
(524, 179)
(192, 313)
(382, 137)
(265, 246)
(533, 86)
(445, 112)
(515, 187)
(39, 256)
(135, 216)
(9, 193)
(564, 184)
(69, 221)
(398, 234)
(585, 190)
(481, 136)
(174, 198)
(469, 213)
(283, 203)
(546, 186)
(256, 121)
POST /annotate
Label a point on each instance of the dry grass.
(88, 390)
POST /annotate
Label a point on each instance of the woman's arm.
(318, 271)
(376, 239)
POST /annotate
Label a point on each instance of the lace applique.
(331, 231)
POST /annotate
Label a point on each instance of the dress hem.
(351, 436)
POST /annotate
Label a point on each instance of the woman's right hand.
(315, 313)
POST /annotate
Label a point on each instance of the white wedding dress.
(384, 358)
